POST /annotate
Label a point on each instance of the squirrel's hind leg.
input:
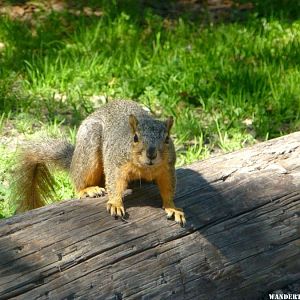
(91, 183)
(87, 170)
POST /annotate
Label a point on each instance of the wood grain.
(242, 239)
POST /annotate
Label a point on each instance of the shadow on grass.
(189, 9)
(50, 30)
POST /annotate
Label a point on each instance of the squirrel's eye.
(135, 138)
(167, 140)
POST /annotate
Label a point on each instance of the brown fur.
(94, 177)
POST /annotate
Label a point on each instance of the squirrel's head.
(151, 142)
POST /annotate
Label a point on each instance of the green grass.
(228, 85)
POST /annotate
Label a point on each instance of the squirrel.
(116, 144)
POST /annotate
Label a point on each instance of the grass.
(227, 84)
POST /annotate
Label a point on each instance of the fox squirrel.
(118, 143)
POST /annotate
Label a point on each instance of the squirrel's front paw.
(92, 192)
(115, 209)
(177, 213)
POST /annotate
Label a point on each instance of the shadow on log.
(242, 239)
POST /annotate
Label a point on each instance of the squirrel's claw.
(92, 192)
(115, 209)
(178, 214)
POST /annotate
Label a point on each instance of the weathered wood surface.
(242, 239)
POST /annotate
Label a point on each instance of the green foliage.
(6, 164)
(227, 85)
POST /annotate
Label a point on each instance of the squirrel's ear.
(133, 123)
(169, 124)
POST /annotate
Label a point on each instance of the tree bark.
(241, 241)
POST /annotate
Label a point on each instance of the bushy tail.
(34, 184)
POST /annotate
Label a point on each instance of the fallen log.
(242, 239)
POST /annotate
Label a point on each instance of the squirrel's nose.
(151, 152)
